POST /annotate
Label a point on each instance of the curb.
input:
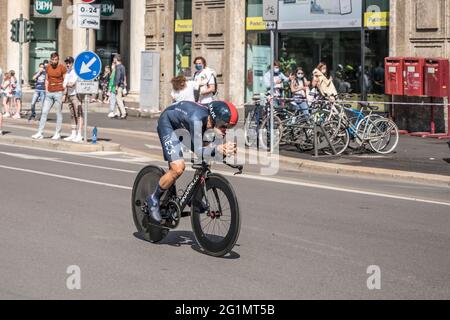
(367, 172)
(61, 145)
(301, 164)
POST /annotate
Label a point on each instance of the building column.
(15, 9)
(137, 44)
(65, 30)
(235, 52)
(4, 34)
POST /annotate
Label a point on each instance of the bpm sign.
(107, 8)
(43, 6)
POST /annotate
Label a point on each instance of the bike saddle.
(368, 106)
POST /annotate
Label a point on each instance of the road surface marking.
(41, 173)
(30, 157)
(268, 179)
(330, 188)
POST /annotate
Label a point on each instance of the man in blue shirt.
(39, 92)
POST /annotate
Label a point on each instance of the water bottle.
(94, 136)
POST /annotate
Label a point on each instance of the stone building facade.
(219, 31)
(218, 34)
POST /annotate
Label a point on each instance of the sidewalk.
(416, 159)
(131, 104)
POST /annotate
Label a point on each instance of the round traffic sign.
(88, 65)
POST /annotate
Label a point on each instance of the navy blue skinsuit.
(193, 118)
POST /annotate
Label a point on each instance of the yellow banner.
(185, 62)
(256, 23)
(183, 25)
(376, 19)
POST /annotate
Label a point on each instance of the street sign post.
(87, 66)
(89, 16)
(271, 25)
(271, 17)
(87, 87)
(270, 10)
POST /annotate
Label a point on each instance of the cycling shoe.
(154, 213)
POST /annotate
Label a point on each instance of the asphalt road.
(303, 236)
(413, 154)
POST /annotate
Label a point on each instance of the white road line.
(330, 188)
(257, 178)
(30, 157)
(67, 178)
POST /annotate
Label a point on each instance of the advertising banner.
(319, 14)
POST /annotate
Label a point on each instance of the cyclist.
(197, 119)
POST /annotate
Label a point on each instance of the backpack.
(216, 91)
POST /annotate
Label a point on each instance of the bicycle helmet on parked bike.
(224, 114)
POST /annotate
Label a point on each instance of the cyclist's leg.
(173, 153)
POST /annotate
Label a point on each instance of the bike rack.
(318, 128)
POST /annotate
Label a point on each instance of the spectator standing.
(183, 90)
(279, 79)
(324, 84)
(104, 82)
(8, 94)
(17, 95)
(205, 82)
(300, 90)
(120, 82)
(39, 92)
(1, 98)
(54, 87)
(112, 92)
(75, 106)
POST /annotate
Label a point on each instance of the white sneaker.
(7, 115)
(111, 115)
(71, 138)
(78, 139)
(16, 116)
(38, 136)
(56, 137)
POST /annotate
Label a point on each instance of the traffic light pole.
(21, 42)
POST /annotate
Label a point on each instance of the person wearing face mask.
(300, 89)
(278, 78)
(324, 84)
(39, 92)
(205, 82)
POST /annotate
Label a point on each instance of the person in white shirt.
(279, 79)
(204, 81)
(76, 108)
(183, 90)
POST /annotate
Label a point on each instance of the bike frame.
(199, 180)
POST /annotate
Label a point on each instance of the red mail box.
(393, 76)
(437, 77)
(414, 84)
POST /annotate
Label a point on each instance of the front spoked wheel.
(217, 229)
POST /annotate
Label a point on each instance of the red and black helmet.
(223, 114)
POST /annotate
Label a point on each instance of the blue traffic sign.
(88, 65)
